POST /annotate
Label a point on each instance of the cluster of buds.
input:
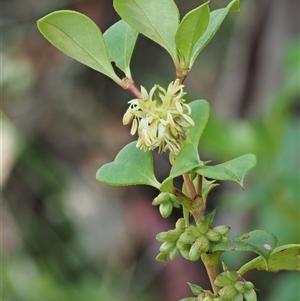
(190, 241)
(166, 201)
(160, 120)
(235, 288)
(197, 239)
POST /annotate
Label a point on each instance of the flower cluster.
(160, 120)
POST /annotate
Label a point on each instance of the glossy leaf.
(131, 166)
(216, 19)
(233, 170)
(258, 241)
(79, 37)
(120, 40)
(190, 30)
(285, 257)
(156, 19)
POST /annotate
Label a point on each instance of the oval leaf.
(79, 37)
(285, 257)
(216, 19)
(200, 114)
(120, 40)
(156, 19)
(258, 241)
(233, 170)
(131, 166)
(190, 30)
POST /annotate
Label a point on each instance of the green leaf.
(216, 19)
(156, 19)
(285, 257)
(79, 37)
(200, 114)
(120, 40)
(233, 170)
(258, 241)
(190, 30)
(131, 166)
(196, 289)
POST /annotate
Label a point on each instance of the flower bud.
(250, 295)
(208, 299)
(161, 257)
(232, 275)
(192, 231)
(172, 235)
(180, 224)
(166, 247)
(240, 286)
(165, 209)
(194, 254)
(185, 239)
(162, 236)
(213, 235)
(163, 197)
(238, 297)
(222, 280)
(202, 244)
(202, 227)
(249, 285)
(222, 229)
(174, 253)
(228, 292)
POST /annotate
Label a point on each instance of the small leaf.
(233, 170)
(189, 299)
(216, 19)
(131, 166)
(200, 114)
(196, 289)
(79, 37)
(285, 257)
(156, 19)
(120, 40)
(258, 241)
(190, 30)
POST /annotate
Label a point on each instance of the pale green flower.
(160, 120)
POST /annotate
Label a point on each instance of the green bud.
(194, 254)
(180, 224)
(165, 209)
(250, 295)
(166, 247)
(222, 280)
(224, 239)
(161, 257)
(185, 253)
(249, 285)
(174, 253)
(192, 231)
(186, 239)
(238, 297)
(202, 227)
(222, 229)
(172, 235)
(208, 299)
(202, 244)
(232, 275)
(163, 197)
(213, 235)
(240, 286)
(162, 236)
(217, 299)
(228, 293)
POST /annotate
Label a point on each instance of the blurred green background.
(67, 237)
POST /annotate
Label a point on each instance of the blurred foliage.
(67, 237)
